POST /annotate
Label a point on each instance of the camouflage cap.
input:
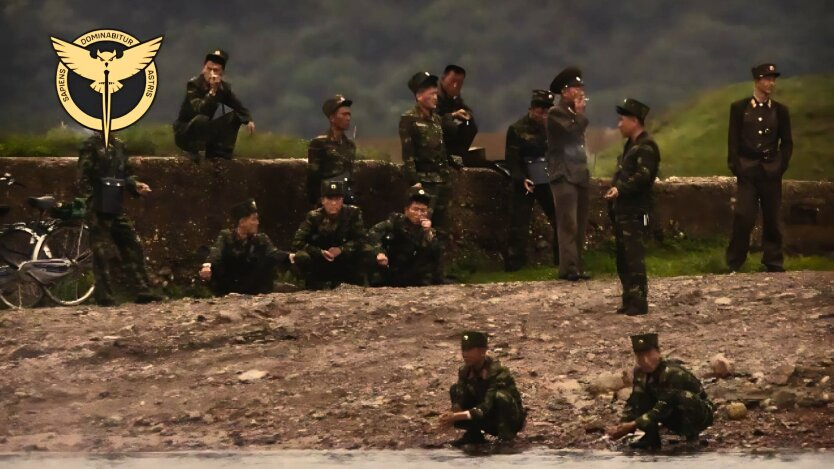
(421, 80)
(418, 194)
(632, 107)
(542, 98)
(765, 70)
(473, 339)
(331, 105)
(332, 189)
(244, 209)
(218, 56)
(570, 76)
(644, 342)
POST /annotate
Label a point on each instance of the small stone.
(784, 399)
(736, 410)
(606, 382)
(251, 375)
(26, 351)
(781, 375)
(722, 367)
(229, 316)
(623, 394)
(723, 301)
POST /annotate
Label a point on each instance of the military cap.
(632, 107)
(765, 70)
(473, 339)
(542, 98)
(644, 342)
(571, 76)
(244, 209)
(218, 56)
(421, 80)
(332, 189)
(454, 68)
(418, 194)
(331, 105)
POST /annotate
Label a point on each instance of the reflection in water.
(411, 459)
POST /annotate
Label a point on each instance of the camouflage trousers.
(631, 236)
(251, 278)
(691, 414)
(119, 229)
(216, 136)
(521, 211)
(504, 421)
(441, 196)
(422, 271)
(319, 273)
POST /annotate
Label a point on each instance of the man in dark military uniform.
(663, 393)
(330, 157)
(104, 176)
(758, 152)
(425, 160)
(196, 128)
(485, 398)
(405, 246)
(243, 260)
(630, 204)
(459, 127)
(567, 164)
(330, 244)
(525, 155)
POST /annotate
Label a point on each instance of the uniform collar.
(756, 103)
(332, 136)
(419, 112)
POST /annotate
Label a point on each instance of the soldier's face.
(627, 125)
(571, 93)
(416, 212)
(647, 361)
(538, 114)
(341, 118)
(473, 356)
(332, 205)
(210, 68)
(427, 98)
(452, 83)
(249, 225)
(766, 85)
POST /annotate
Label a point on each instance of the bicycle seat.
(42, 203)
(4, 210)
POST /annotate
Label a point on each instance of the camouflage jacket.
(318, 232)
(662, 388)
(199, 101)
(402, 241)
(525, 139)
(456, 137)
(566, 157)
(636, 171)
(483, 385)
(424, 154)
(231, 255)
(327, 158)
(94, 163)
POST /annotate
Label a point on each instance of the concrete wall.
(190, 203)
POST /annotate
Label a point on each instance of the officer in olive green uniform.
(330, 245)
(425, 160)
(243, 260)
(196, 128)
(525, 155)
(405, 246)
(485, 398)
(663, 393)
(459, 127)
(630, 204)
(330, 157)
(760, 146)
(104, 176)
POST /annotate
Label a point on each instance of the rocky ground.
(370, 368)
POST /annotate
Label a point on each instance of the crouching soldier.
(330, 243)
(406, 248)
(665, 394)
(485, 398)
(243, 260)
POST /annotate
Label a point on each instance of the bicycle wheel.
(70, 242)
(25, 293)
(17, 245)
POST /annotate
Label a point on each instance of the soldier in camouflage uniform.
(459, 127)
(425, 160)
(630, 204)
(104, 175)
(663, 393)
(243, 260)
(485, 398)
(405, 246)
(196, 129)
(525, 155)
(330, 244)
(330, 157)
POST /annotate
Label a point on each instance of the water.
(411, 459)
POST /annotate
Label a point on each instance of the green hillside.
(693, 136)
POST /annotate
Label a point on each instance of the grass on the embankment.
(666, 259)
(158, 140)
(692, 136)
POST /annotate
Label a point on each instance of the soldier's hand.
(214, 83)
(142, 188)
(616, 432)
(327, 256)
(292, 258)
(447, 419)
(382, 259)
(205, 272)
(417, 186)
(335, 252)
(612, 193)
(461, 114)
(529, 186)
(250, 127)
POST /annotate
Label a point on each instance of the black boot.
(649, 441)
(471, 437)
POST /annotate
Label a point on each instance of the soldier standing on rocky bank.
(330, 157)
(459, 127)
